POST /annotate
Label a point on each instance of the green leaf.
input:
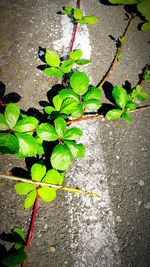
(78, 14)
(53, 72)
(76, 54)
(81, 21)
(12, 113)
(52, 58)
(27, 145)
(119, 55)
(67, 65)
(146, 75)
(53, 177)
(122, 40)
(92, 104)
(60, 126)
(30, 199)
(8, 144)
(14, 258)
(46, 132)
(130, 106)
(91, 19)
(124, 2)
(79, 82)
(142, 96)
(47, 194)
(114, 114)
(61, 157)
(38, 171)
(93, 93)
(144, 8)
(3, 123)
(24, 188)
(19, 231)
(127, 118)
(138, 89)
(57, 101)
(83, 61)
(78, 112)
(77, 150)
(120, 96)
(73, 134)
(26, 125)
(68, 93)
(68, 10)
(18, 245)
(68, 106)
(49, 109)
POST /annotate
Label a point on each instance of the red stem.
(32, 226)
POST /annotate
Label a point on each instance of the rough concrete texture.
(86, 232)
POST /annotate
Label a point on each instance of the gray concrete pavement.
(86, 232)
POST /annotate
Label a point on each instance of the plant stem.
(119, 48)
(101, 116)
(32, 226)
(58, 187)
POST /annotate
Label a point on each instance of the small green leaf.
(146, 75)
(119, 56)
(122, 40)
(144, 8)
(124, 2)
(12, 113)
(19, 245)
(78, 14)
(127, 118)
(138, 89)
(60, 126)
(73, 134)
(68, 10)
(19, 231)
(38, 171)
(83, 61)
(120, 96)
(52, 58)
(3, 123)
(79, 82)
(24, 188)
(68, 106)
(57, 101)
(142, 96)
(14, 258)
(61, 157)
(26, 125)
(30, 199)
(93, 93)
(46, 132)
(53, 177)
(114, 114)
(77, 150)
(8, 144)
(49, 109)
(53, 72)
(27, 145)
(78, 112)
(68, 93)
(81, 21)
(91, 19)
(76, 54)
(130, 106)
(92, 104)
(67, 65)
(47, 194)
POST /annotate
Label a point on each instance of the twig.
(58, 187)
(101, 116)
(109, 71)
(32, 226)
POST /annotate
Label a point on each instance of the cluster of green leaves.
(16, 133)
(56, 67)
(146, 74)
(16, 255)
(143, 6)
(75, 98)
(76, 14)
(39, 173)
(125, 102)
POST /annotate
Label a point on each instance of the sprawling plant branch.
(119, 48)
(58, 187)
(99, 116)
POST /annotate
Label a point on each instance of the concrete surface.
(113, 231)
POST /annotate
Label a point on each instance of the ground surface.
(86, 232)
